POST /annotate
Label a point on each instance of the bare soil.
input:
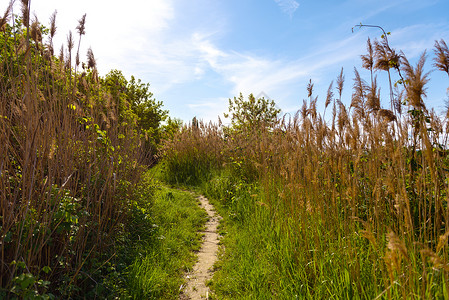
(195, 287)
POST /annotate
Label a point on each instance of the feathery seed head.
(61, 54)
(309, 89)
(372, 97)
(399, 98)
(304, 109)
(441, 60)
(343, 118)
(386, 58)
(312, 108)
(6, 15)
(81, 25)
(53, 24)
(35, 32)
(50, 52)
(70, 42)
(330, 94)
(25, 12)
(386, 114)
(340, 82)
(359, 88)
(368, 59)
(91, 63)
(417, 80)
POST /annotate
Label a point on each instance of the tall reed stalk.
(66, 168)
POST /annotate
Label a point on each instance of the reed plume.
(309, 89)
(91, 63)
(359, 90)
(6, 15)
(385, 59)
(386, 114)
(35, 32)
(81, 31)
(340, 83)
(53, 26)
(372, 97)
(70, 45)
(26, 12)
(417, 80)
(368, 59)
(329, 97)
(61, 56)
(441, 59)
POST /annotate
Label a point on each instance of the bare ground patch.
(195, 287)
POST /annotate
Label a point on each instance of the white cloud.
(252, 74)
(288, 6)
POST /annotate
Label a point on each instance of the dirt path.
(196, 279)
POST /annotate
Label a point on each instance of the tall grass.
(350, 207)
(166, 241)
(66, 167)
(193, 153)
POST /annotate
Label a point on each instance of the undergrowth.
(73, 147)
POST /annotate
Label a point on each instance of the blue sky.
(197, 54)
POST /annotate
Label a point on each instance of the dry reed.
(362, 168)
(65, 172)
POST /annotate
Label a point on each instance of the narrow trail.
(196, 279)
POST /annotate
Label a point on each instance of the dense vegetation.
(352, 206)
(74, 148)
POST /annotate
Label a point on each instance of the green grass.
(265, 256)
(268, 254)
(244, 270)
(163, 239)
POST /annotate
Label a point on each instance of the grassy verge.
(268, 254)
(243, 270)
(159, 249)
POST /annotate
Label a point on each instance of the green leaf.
(26, 280)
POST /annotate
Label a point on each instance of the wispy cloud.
(405, 38)
(253, 74)
(288, 6)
